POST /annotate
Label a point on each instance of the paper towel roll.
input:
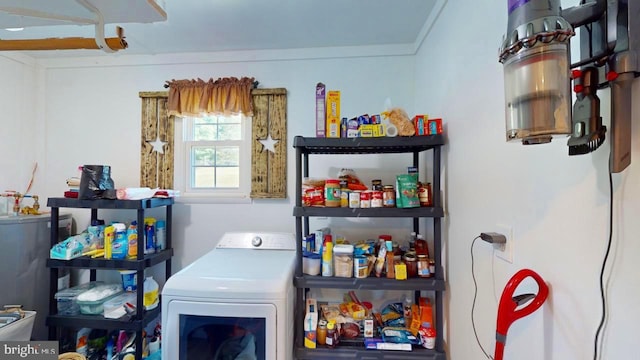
(392, 130)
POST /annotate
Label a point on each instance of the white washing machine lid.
(234, 274)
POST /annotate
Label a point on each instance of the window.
(205, 158)
(213, 156)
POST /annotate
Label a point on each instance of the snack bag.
(407, 191)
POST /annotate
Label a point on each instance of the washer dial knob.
(256, 241)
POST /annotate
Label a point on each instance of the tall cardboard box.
(311, 324)
(321, 115)
(333, 114)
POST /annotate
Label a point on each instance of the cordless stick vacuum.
(508, 311)
(535, 53)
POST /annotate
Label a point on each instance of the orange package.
(426, 311)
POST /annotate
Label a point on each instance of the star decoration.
(269, 144)
(158, 145)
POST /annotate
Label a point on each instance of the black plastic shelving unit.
(411, 145)
(140, 320)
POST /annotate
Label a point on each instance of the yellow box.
(333, 114)
(371, 130)
(378, 130)
(401, 271)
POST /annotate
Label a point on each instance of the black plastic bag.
(96, 183)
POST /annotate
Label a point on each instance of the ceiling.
(187, 26)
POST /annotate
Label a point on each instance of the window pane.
(205, 132)
(204, 120)
(203, 156)
(229, 132)
(203, 177)
(228, 156)
(231, 119)
(228, 177)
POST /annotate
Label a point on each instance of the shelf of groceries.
(352, 329)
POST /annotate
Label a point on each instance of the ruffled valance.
(222, 96)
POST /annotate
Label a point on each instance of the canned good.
(354, 199)
(344, 197)
(360, 267)
(365, 199)
(376, 199)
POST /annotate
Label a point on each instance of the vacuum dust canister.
(535, 55)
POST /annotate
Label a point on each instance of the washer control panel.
(257, 240)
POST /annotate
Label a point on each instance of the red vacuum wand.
(508, 311)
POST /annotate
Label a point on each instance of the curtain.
(223, 96)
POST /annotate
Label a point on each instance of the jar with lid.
(423, 266)
(332, 193)
(331, 339)
(376, 185)
(322, 332)
(388, 196)
(410, 261)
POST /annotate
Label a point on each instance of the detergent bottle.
(132, 240)
(150, 293)
(327, 256)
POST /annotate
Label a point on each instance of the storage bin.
(343, 260)
(114, 308)
(91, 302)
(18, 330)
(66, 298)
(311, 263)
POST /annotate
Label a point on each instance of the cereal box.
(333, 114)
(320, 110)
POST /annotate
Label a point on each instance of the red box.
(435, 126)
(420, 124)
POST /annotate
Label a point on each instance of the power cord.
(604, 264)
(475, 295)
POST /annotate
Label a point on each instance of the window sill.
(212, 199)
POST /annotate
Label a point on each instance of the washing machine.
(235, 302)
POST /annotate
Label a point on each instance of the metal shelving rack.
(142, 318)
(411, 145)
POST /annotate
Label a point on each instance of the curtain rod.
(255, 84)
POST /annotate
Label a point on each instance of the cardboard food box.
(333, 114)
(321, 116)
(311, 324)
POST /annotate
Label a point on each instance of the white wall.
(21, 139)
(93, 117)
(558, 206)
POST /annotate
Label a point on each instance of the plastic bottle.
(132, 240)
(109, 235)
(327, 256)
(406, 307)
(150, 293)
(161, 235)
(150, 235)
(119, 246)
(421, 246)
(412, 241)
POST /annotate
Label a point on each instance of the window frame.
(183, 169)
